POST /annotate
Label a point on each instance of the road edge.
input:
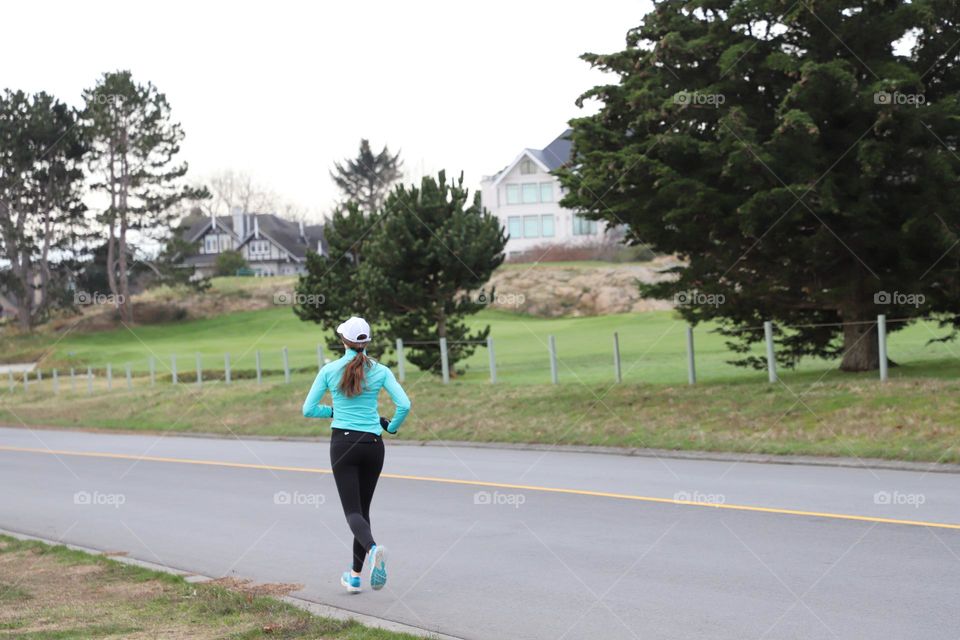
(715, 456)
(316, 608)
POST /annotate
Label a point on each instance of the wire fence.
(261, 366)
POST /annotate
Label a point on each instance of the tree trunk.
(126, 307)
(25, 303)
(111, 243)
(441, 325)
(111, 259)
(12, 235)
(861, 350)
(24, 314)
(45, 263)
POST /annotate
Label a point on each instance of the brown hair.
(351, 382)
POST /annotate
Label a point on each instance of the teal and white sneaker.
(378, 567)
(351, 582)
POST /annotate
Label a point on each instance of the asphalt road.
(498, 544)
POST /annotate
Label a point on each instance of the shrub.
(229, 262)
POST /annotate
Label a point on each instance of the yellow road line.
(499, 485)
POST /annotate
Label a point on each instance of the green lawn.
(652, 348)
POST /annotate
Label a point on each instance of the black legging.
(357, 459)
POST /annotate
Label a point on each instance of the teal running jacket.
(360, 412)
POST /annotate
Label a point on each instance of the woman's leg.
(347, 463)
(369, 475)
(368, 472)
(359, 554)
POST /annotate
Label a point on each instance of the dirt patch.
(230, 295)
(61, 597)
(248, 587)
(165, 305)
(554, 291)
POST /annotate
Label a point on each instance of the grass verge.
(53, 592)
(906, 419)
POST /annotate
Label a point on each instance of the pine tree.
(41, 214)
(330, 291)
(134, 146)
(366, 179)
(801, 164)
(431, 250)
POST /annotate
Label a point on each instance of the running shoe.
(351, 582)
(378, 567)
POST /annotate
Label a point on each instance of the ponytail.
(351, 382)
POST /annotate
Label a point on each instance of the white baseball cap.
(355, 330)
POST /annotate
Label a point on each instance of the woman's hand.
(385, 424)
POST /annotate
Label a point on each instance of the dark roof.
(284, 232)
(200, 226)
(553, 156)
(315, 231)
(557, 153)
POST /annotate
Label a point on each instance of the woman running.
(356, 447)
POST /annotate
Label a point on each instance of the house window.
(513, 194)
(584, 227)
(531, 226)
(546, 192)
(210, 244)
(515, 227)
(546, 225)
(527, 166)
(530, 195)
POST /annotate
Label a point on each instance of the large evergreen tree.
(366, 179)
(41, 213)
(433, 247)
(330, 291)
(801, 157)
(134, 143)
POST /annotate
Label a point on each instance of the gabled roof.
(558, 153)
(550, 158)
(284, 233)
(200, 227)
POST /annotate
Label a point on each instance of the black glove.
(384, 424)
(331, 413)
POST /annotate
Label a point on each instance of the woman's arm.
(311, 406)
(399, 398)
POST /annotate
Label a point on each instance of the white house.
(271, 245)
(525, 196)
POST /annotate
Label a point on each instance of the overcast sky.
(283, 89)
